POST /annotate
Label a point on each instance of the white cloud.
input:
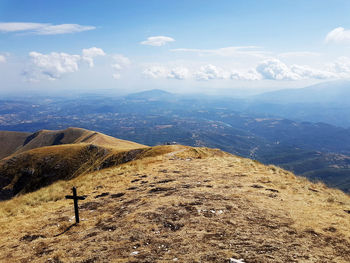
(157, 41)
(209, 72)
(120, 62)
(15, 27)
(53, 65)
(179, 73)
(338, 35)
(276, 70)
(42, 28)
(117, 69)
(270, 69)
(160, 71)
(2, 59)
(341, 66)
(63, 29)
(155, 72)
(306, 72)
(226, 51)
(250, 75)
(90, 53)
(121, 59)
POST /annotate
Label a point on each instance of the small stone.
(232, 260)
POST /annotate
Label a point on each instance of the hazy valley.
(319, 151)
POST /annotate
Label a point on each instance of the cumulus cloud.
(306, 72)
(250, 75)
(157, 41)
(160, 71)
(206, 72)
(43, 28)
(120, 62)
(276, 70)
(90, 53)
(338, 35)
(121, 59)
(2, 59)
(209, 72)
(53, 65)
(155, 72)
(341, 66)
(179, 73)
(269, 69)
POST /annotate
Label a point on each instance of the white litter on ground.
(232, 260)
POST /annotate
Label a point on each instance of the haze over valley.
(246, 127)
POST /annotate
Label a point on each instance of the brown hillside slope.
(180, 204)
(11, 141)
(66, 154)
(31, 170)
(14, 142)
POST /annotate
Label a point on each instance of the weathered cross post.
(75, 197)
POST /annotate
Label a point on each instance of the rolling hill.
(41, 158)
(17, 142)
(174, 203)
(11, 142)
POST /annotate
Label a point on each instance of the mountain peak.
(18, 142)
(150, 94)
(178, 203)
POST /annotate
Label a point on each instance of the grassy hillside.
(48, 156)
(17, 142)
(180, 204)
(10, 142)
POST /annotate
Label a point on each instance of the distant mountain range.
(325, 102)
(256, 128)
(324, 93)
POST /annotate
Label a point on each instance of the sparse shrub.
(331, 199)
(257, 162)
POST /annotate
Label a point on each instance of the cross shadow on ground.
(66, 230)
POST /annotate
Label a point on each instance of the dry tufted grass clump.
(181, 204)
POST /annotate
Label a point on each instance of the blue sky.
(184, 46)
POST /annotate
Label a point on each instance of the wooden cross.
(75, 197)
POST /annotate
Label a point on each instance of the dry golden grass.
(30, 170)
(13, 143)
(183, 204)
